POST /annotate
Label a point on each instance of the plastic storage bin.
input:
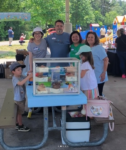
(77, 129)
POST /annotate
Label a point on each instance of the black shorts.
(21, 41)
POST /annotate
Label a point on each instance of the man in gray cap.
(18, 82)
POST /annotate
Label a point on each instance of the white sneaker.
(102, 97)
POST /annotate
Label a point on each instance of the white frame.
(56, 60)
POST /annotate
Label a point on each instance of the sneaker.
(17, 126)
(123, 76)
(29, 114)
(23, 129)
(102, 97)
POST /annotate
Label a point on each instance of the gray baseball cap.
(16, 65)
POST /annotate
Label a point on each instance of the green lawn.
(10, 51)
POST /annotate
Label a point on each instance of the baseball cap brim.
(78, 53)
(83, 49)
(23, 66)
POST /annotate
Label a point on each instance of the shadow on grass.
(7, 54)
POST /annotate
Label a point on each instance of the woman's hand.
(102, 76)
(30, 71)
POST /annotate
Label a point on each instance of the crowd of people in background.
(11, 36)
(104, 33)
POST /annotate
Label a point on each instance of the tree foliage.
(81, 12)
(45, 12)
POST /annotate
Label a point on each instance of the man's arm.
(32, 39)
(47, 41)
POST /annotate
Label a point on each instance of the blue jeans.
(122, 59)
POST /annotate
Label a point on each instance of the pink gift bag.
(98, 108)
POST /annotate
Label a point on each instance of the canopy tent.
(118, 20)
(15, 16)
(124, 20)
(115, 21)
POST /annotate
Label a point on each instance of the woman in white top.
(100, 61)
(88, 78)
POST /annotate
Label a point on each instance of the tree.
(109, 17)
(9, 5)
(81, 13)
(98, 17)
(46, 12)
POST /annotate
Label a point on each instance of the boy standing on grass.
(19, 93)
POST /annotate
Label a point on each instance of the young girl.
(88, 80)
(22, 37)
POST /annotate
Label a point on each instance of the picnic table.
(53, 101)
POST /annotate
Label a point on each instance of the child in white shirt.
(88, 78)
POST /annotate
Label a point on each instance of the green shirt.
(74, 50)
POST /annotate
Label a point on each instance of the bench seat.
(8, 111)
(103, 120)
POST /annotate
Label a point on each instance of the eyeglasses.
(37, 33)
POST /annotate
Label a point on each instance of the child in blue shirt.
(18, 82)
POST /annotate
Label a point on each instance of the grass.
(10, 51)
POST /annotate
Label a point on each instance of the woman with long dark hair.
(100, 60)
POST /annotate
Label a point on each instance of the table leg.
(53, 117)
(81, 144)
(6, 147)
